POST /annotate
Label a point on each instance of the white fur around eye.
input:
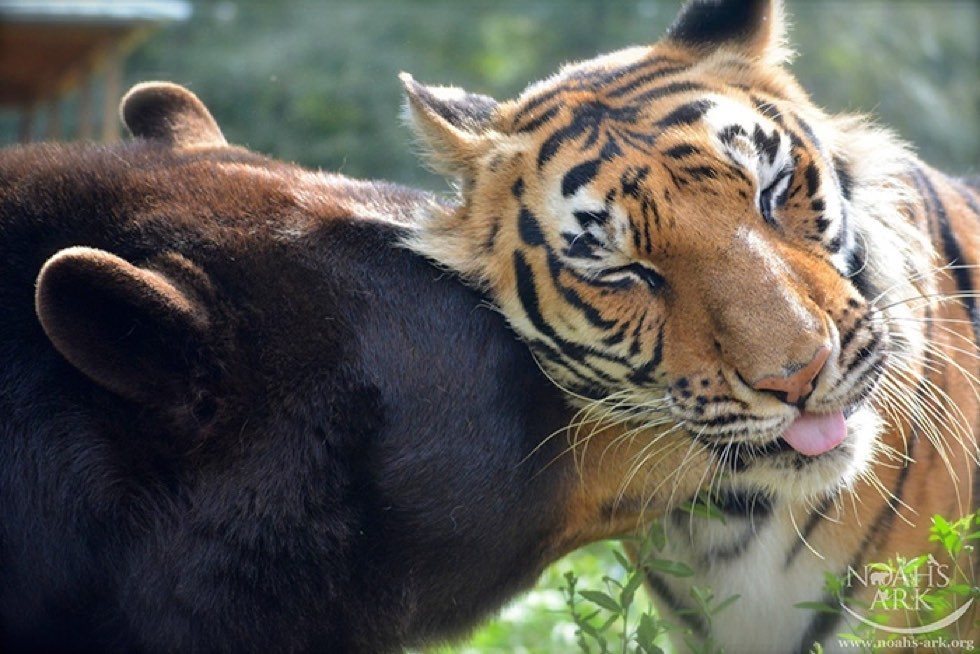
(733, 127)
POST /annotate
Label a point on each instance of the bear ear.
(129, 329)
(755, 28)
(169, 113)
(452, 125)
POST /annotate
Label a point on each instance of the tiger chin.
(779, 304)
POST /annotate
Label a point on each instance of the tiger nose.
(796, 385)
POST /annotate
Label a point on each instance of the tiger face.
(674, 232)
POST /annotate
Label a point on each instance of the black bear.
(237, 415)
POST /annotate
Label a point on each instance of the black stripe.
(858, 273)
(812, 176)
(726, 554)
(648, 206)
(571, 131)
(954, 254)
(837, 243)
(528, 228)
(617, 336)
(820, 627)
(590, 78)
(844, 177)
(968, 194)
(610, 150)
(846, 339)
(588, 116)
(567, 353)
(517, 188)
(491, 241)
(635, 336)
(582, 245)
(579, 176)
(632, 179)
(638, 81)
(735, 172)
(528, 295)
(680, 151)
(686, 114)
(823, 623)
(589, 383)
(533, 103)
(729, 133)
(768, 110)
(743, 504)
(700, 173)
(808, 131)
(812, 522)
(768, 145)
(690, 617)
(571, 296)
(587, 218)
(637, 236)
(644, 374)
(538, 120)
(721, 421)
(864, 352)
(668, 90)
(636, 140)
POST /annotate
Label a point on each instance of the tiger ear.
(755, 28)
(451, 124)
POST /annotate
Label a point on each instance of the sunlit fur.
(666, 225)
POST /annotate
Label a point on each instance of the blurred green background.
(315, 82)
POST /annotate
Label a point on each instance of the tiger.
(776, 307)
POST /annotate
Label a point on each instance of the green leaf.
(703, 507)
(647, 632)
(675, 568)
(960, 589)
(820, 607)
(632, 584)
(703, 596)
(601, 599)
(724, 604)
(588, 629)
(657, 536)
(622, 560)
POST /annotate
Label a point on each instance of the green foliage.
(593, 601)
(605, 619)
(315, 82)
(703, 506)
(917, 591)
(606, 610)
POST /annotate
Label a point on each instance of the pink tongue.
(812, 434)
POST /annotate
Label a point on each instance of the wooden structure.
(52, 48)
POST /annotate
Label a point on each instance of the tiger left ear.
(451, 124)
(755, 28)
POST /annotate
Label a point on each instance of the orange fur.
(672, 228)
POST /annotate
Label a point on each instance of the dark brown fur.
(235, 416)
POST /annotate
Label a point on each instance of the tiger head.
(687, 243)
